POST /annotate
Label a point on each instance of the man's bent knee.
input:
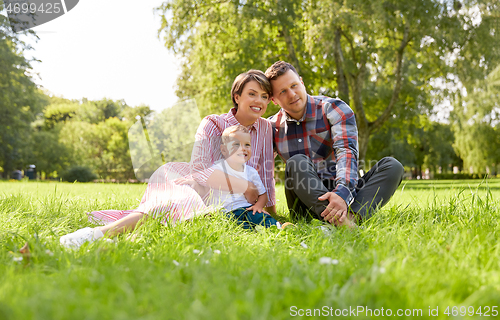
(395, 167)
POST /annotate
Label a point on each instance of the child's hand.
(256, 208)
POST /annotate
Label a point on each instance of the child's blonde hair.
(233, 129)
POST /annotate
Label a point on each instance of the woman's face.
(252, 103)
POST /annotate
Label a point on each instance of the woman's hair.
(232, 129)
(244, 78)
(279, 68)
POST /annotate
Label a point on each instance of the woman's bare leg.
(123, 225)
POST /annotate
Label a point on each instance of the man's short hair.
(232, 129)
(279, 68)
(244, 78)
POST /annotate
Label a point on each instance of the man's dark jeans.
(303, 186)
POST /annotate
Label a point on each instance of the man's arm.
(345, 144)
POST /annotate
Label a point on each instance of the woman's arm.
(218, 180)
(266, 163)
(206, 149)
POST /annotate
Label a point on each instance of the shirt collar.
(287, 117)
(231, 119)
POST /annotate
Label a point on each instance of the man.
(318, 139)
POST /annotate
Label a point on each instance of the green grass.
(434, 245)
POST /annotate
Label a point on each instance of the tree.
(59, 112)
(417, 143)
(376, 55)
(100, 110)
(163, 137)
(50, 156)
(217, 40)
(477, 125)
(19, 98)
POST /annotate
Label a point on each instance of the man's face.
(290, 94)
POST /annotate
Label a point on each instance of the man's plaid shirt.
(328, 135)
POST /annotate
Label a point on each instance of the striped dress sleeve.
(266, 162)
(206, 149)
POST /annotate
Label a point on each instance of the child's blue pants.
(248, 220)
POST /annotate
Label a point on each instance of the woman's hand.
(193, 184)
(184, 181)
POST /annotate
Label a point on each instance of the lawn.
(433, 250)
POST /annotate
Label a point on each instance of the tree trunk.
(339, 64)
(7, 171)
(355, 82)
(292, 57)
(375, 125)
(363, 139)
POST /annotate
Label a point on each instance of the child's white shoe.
(79, 237)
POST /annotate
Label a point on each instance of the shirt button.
(298, 123)
(300, 140)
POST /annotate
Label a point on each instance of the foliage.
(377, 55)
(419, 143)
(102, 146)
(455, 176)
(79, 174)
(86, 133)
(446, 232)
(19, 98)
(99, 110)
(49, 155)
(59, 112)
(477, 125)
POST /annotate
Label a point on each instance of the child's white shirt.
(235, 200)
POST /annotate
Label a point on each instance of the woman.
(181, 199)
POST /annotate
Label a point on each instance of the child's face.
(238, 149)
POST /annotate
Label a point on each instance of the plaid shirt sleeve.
(345, 145)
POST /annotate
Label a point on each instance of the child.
(236, 149)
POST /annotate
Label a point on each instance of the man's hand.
(336, 211)
(251, 194)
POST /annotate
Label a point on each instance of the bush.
(80, 174)
(456, 176)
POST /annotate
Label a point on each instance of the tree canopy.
(379, 56)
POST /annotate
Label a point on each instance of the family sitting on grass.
(232, 164)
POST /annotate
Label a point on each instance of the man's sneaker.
(77, 238)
